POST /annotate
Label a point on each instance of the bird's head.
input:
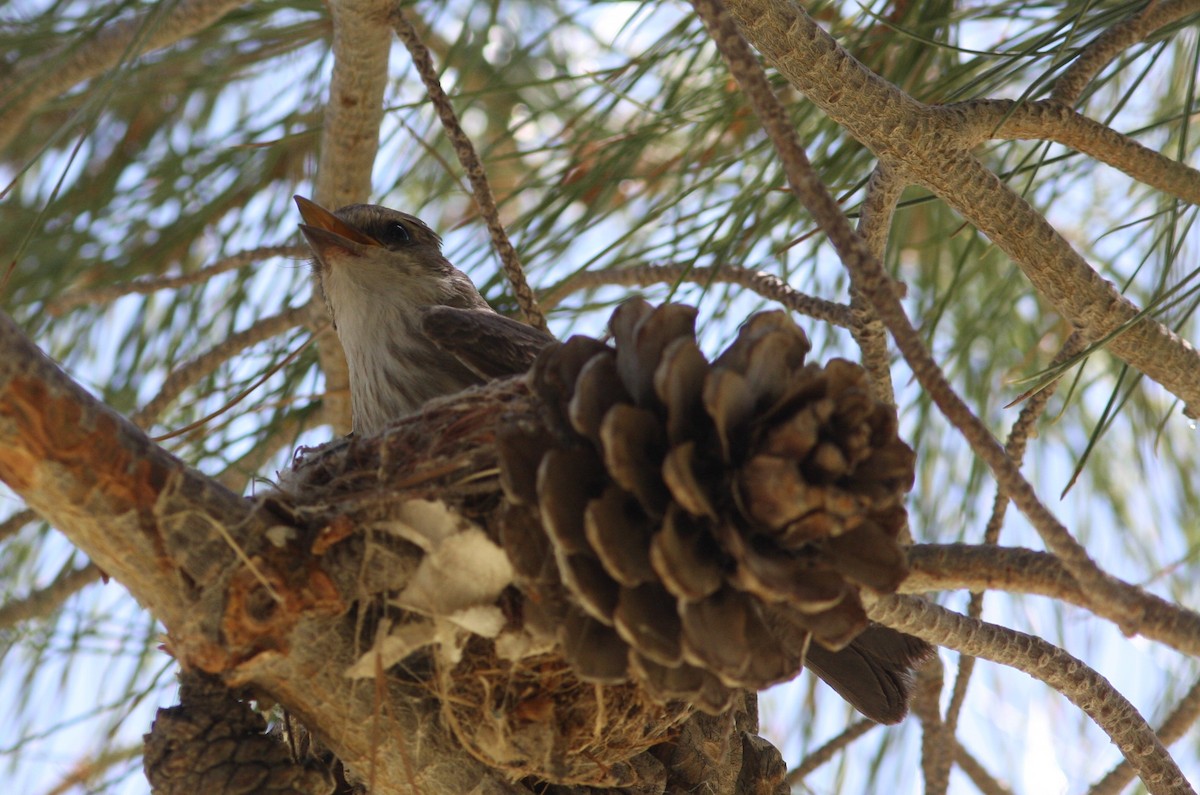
(370, 256)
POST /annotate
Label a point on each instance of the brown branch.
(103, 295)
(876, 285)
(1098, 53)
(206, 363)
(979, 776)
(31, 85)
(928, 149)
(166, 532)
(829, 750)
(13, 524)
(942, 567)
(874, 221)
(1014, 447)
(471, 163)
(1052, 121)
(1085, 688)
(760, 282)
(45, 601)
(1177, 723)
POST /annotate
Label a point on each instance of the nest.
(631, 533)
(536, 718)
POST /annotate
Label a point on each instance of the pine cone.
(706, 519)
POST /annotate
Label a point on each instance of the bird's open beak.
(325, 232)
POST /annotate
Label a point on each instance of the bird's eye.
(397, 235)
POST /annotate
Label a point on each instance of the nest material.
(706, 519)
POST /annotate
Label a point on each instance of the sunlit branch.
(944, 567)
(931, 151)
(1098, 53)
(874, 223)
(1175, 726)
(874, 282)
(469, 158)
(1052, 121)
(104, 295)
(765, 284)
(1044, 661)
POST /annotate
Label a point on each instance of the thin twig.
(471, 163)
(13, 524)
(27, 88)
(764, 284)
(876, 285)
(941, 567)
(45, 601)
(104, 295)
(192, 371)
(829, 750)
(1098, 53)
(983, 780)
(1177, 723)
(1044, 661)
(1014, 446)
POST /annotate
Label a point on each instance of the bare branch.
(928, 149)
(1070, 85)
(167, 533)
(976, 772)
(1014, 446)
(874, 221)
(1044, 661)
(103, 295)
(762, 283)
(13, 524)
(206, 363)
(32, 85)
(46, 601)
(471, 163)
(1051, 121)
(1177, 723)
(876, 285)
(941, 567)
(829, 750)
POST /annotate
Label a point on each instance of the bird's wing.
(874, 673)
(489, 344)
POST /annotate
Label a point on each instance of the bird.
(415, 328)
(398, 305)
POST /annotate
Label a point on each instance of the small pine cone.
(708, 519)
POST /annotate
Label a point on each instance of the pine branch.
(476, 174)
(1182, 718)
(942, 567)
(929, 150)
(1050, 121)
(829, 750)
(764, 284)
(108, 294)
(1085, 688)
(1101, 51)
(46, 601)
(876, 285)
